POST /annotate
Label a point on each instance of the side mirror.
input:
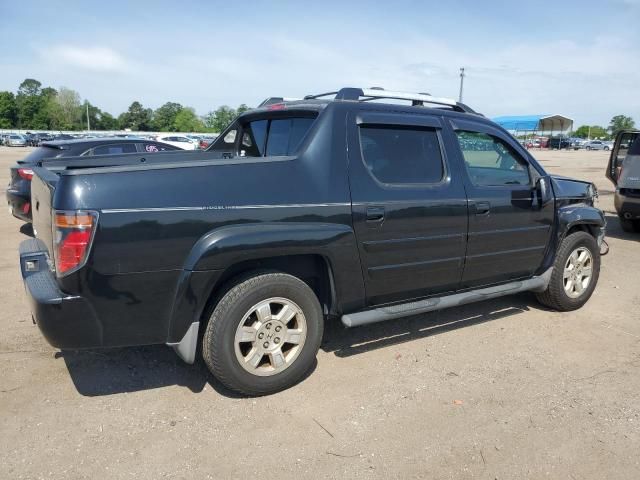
(544, 191)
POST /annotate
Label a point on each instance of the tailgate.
(43, 187)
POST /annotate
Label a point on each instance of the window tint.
(253, 138)
(285, 135)
(402, 155)
(490, 161)
(115, 149)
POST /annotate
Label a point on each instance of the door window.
(490, 161)
(402, 155)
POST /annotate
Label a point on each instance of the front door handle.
(375, 214)
(483, 208)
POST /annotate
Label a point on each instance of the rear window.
(42, 152)
(115, 149)
(267, 137)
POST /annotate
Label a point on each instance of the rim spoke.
(253, 358)
(293, 336)
(582, 256)
(263, 312)
(247, 334)
(566, 274)
(586, 271)
(579, 288)
(573, 258)
(277, 358)
(569, 286)
(286, 314)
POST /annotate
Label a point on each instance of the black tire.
(588, 148)
(555, 296)
(630, 226)
(218, 343)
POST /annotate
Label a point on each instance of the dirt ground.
(498, 390)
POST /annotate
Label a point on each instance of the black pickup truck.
(348, 205)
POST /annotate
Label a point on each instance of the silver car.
(15, 140)
(624, 171)
(596, 145)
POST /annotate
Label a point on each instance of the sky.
(576, 58)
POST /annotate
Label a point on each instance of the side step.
(535, 284)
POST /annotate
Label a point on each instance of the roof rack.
(375, 93)
(274, 100)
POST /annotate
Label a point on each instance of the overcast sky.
(580, 59)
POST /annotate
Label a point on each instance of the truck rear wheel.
(264, 334)
(575, 273)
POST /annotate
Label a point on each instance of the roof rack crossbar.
(368, 94)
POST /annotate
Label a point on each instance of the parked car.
(558, 143)
(205, 142)
(577, 143)
(596, 145)
(19, 189)
(15, 140)
(299, 213)
(179, 141)
(624, 171)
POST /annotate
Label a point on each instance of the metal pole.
(461, 84)
(88, 126)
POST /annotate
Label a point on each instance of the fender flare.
(224, 247)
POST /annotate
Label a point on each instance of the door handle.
(483, 208)
(375, 214)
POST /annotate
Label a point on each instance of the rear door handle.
(375, 214)
(483, 208)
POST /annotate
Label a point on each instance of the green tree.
(242, 108)
(164, 117)
(620, 122)
(29, 102)
(8, 110)
(220, 119)
(187, 121)
(593, 131)
(136, 118)
(70, 108)
(106, 122)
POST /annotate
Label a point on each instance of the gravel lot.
(502, 389)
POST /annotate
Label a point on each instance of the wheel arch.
(308, 251)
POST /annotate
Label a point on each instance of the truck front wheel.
(575, 273)
(264, 334)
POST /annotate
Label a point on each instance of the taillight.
(73, 233)
(25, 173)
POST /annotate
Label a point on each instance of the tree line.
(617, 123)
(34, 107)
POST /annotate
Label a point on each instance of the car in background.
(577, 143)
(19, 189)
(180, 141)
(205, 142)
(624, 172)
(597, 145)
(15, 140)
(558, 143)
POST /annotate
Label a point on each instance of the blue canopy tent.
(538, 124)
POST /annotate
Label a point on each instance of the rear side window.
(490, 161)
(402, 155)
(274, 137)
(115, 149)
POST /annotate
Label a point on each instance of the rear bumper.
(20, 204)
(66, 321)
(627, 206)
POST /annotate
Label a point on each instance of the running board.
(535, 284)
